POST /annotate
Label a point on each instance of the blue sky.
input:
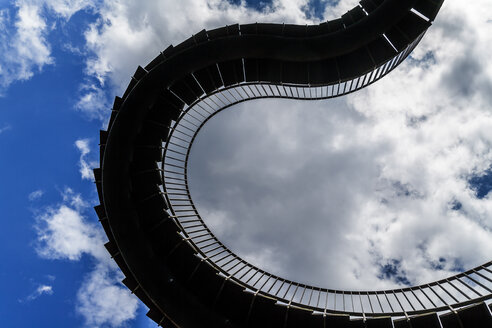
(429, 149)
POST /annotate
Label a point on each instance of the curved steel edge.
(294, 49)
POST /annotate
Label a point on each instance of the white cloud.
(75, 200)
(85, 167)
(44, 289)
(93, 102)
(24, 49)
(83, 146)
(23, 40)
(40, 290)
(63, 232)
(35, 195)
(67, 8)
(102, 300)
(340, 8)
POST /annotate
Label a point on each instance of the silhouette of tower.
(170, 258)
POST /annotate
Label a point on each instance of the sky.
(387, 187)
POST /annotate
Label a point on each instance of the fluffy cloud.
(63, 232)
(40, 290)
(66, 8)
(35, 195)
(24, 30)
(339, 8)
(44, 289)
(103, 301)
(23, 44)
(93, 102)
(85, 167)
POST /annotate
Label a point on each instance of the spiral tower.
(170, 258)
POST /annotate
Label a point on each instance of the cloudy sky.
(389, 186)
